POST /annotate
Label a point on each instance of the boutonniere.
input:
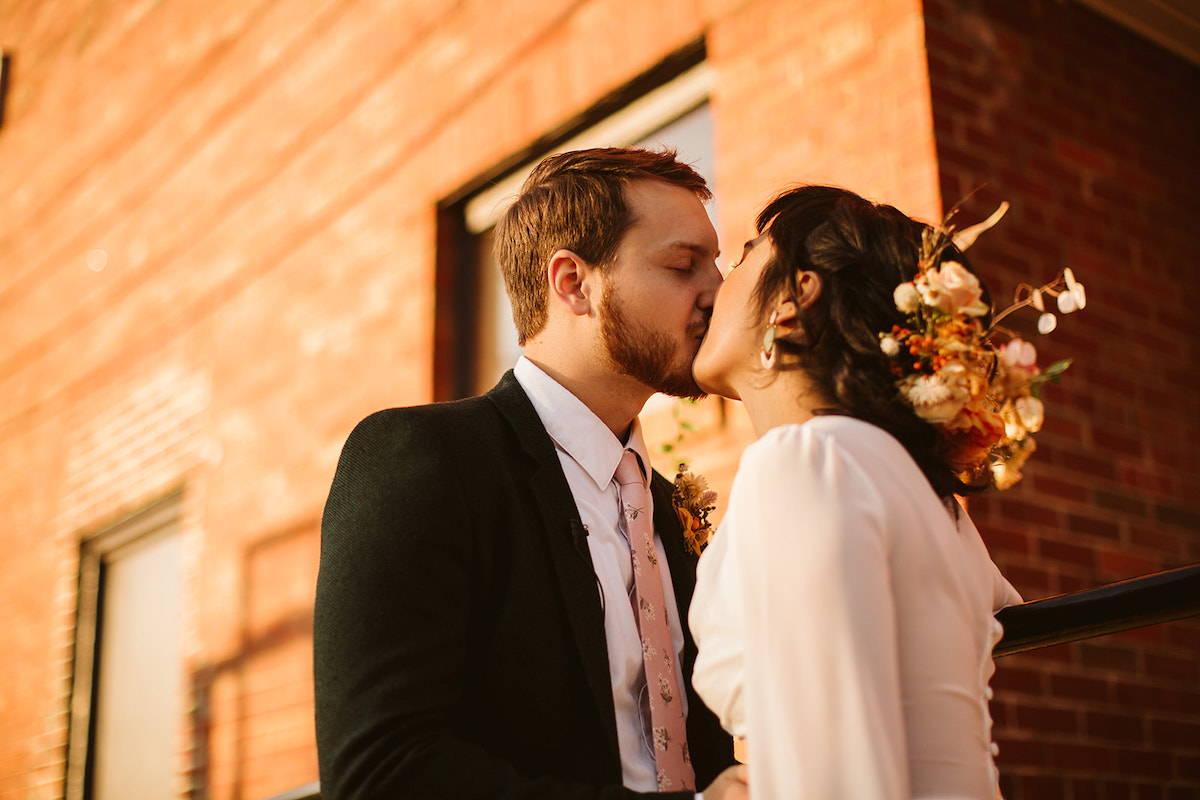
(693, 500)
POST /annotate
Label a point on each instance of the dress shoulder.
(830, 448)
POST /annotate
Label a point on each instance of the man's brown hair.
(574, 201)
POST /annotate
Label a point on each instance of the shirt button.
(988, 693)
(995, 748)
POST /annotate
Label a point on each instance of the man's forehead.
(672, 214)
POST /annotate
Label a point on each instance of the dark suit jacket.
(459, 636)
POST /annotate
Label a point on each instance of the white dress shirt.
(844, 616)
(589, 454)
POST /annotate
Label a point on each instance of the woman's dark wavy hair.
(862, 251)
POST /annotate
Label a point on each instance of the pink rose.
(953, 289)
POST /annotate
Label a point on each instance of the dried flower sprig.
(1070, 295)
(693, 500)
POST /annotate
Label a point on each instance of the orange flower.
(976, 430)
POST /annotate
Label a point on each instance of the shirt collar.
(574, 428)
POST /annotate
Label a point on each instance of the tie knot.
(629, 470)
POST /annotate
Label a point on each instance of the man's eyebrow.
(694, 247)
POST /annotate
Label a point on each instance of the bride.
(844, 611)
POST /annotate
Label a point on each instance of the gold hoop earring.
(769, 351)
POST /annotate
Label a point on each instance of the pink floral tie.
(673, 762)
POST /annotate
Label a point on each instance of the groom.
(476, 634)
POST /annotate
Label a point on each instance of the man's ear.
(570, 281)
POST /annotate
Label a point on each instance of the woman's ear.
(784, 313)
(787, 311)
(808, 288)
(570, 282)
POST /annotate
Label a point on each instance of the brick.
(1108, 657)
(1143, 763)
(1046, 721)
(1033, 513)
(1175, 734)
(1122, 728)
(1118, 790)
(1092, 526)
(1078, 757)
(1067, 553)
(1157, 699)
(1188, 768)
(1184, 634)
(1089, 465)
(1024, 751)
(1014, 679)
(1120, 566)
(1160, 541)
(1062, 491)
(1110, 440)
(1121, 501)
(1096, 692)
(1175, 668)
(1178, 516)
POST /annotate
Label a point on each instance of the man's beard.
(646, 355)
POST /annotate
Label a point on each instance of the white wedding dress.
(844, 618)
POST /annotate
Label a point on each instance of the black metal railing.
(1115, 607)
(1125, 605)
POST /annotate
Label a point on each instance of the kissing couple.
(507, 605)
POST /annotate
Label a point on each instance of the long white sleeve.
(843, 617)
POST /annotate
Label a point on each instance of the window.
(676, 114)
(127, 703)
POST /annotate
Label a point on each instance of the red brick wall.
(1091, 133)
(264, 178)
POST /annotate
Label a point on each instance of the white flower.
(907, 298)
(934, 399)
(931, 292)
(1018, 353)
(1005, 475)
(1046, 323)
(1031, 412)
(889, 346)
(1075, 288)
(1007, 471)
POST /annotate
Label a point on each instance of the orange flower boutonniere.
(693, 500)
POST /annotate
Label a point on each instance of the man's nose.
(712, 282)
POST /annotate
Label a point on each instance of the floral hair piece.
(983, 398)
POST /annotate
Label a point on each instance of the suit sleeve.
(392, 625)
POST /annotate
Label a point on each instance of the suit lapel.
(567, 543)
